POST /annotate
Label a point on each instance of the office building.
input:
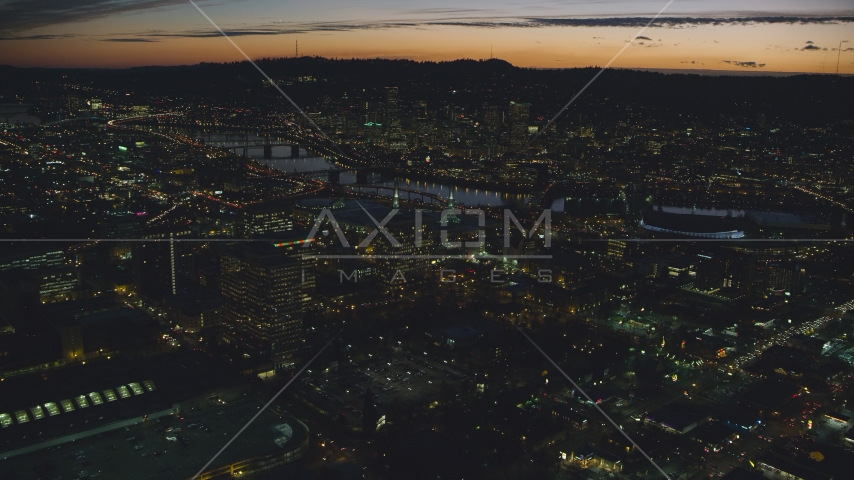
(267, 217)
(724, 269)
(786, 278)
(31, 259)
(71, 339)
(163, 265)
(396, 140)
(518, 116)
(264, 301)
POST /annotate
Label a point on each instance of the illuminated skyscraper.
(264, 301)
(518, 116)
(396, 141)
(395, 202)
(163, 265)
(267, 217)
(786, 277)
(724, 269)
(447, 216)
(492, 118)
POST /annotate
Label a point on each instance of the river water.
(308, 162)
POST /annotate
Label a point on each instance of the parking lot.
(146, 451)
(727, 388)
(415, 379)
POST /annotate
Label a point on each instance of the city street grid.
(382, 229)
(596, 405)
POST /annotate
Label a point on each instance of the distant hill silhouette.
(809, 99)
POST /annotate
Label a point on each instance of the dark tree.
(369, 413)
(342, 422)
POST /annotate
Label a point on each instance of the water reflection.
(467, 196)
(281, 160)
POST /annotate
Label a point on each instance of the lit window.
(21, 416)
(96, 398)
(52, 409)
(67, 406)
(38, 413)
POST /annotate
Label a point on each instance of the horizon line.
(668, 70)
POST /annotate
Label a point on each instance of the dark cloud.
(641, 37)
(683, 21)
(809, 42)
(289, 30)
(20, 15)
(433, 11)
(676, 22)
(744, 64)
(230, 33)
(130, 40)
(811, 47)
(38, 37)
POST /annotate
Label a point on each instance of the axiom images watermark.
(446, 275)
(544, 220)
(542, 227)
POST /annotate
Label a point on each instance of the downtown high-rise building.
(267, 217)
(724, 269)
(264, 301)
(493, 117)
(518, 116)
(785, 277)
(395, 138)
(45, 256)
(163, 263)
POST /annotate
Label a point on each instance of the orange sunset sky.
(750, 35)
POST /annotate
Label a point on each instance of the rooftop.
(81, 397)
(677, 416)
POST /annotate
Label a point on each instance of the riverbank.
(457, 182)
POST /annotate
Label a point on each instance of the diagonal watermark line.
(575, 97)
(274, 84)
(380, 226)
(265, 406)
(594, 404)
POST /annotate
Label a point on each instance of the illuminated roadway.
(307, 140)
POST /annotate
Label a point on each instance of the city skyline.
(327, 265)
(755, 36)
